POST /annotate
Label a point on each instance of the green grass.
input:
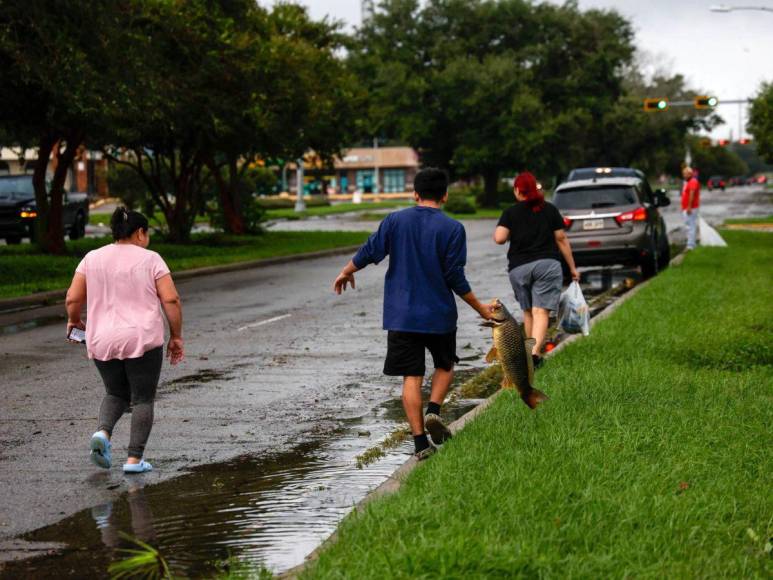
(759, 220)
(23, 270)
(157, 218)
(480, 213)
(651, 460)
(334, 209)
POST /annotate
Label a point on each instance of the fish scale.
(513, 350)
(509, 340)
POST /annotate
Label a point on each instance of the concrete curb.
(54, 296)
(395, 481)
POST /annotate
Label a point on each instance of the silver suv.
(615, 220)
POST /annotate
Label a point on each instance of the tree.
(715, 160)
(761, 121)
(482, 87)
(227, 81)
(57, 88)
(289, 92)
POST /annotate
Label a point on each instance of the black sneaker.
(425, 453)
(436, 428)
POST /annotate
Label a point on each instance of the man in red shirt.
(691, 201)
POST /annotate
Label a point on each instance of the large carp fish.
(513, 350)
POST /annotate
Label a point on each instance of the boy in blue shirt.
(427, 252)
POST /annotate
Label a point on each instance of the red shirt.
(692, 185)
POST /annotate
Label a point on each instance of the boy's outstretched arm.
(371, 252)
(346, 276)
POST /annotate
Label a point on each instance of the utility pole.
(300, 203)
(375, 165)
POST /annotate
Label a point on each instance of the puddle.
(269, 511)
(199, 378)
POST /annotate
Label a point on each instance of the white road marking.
(262, 322)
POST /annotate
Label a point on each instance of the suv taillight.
(637, 215)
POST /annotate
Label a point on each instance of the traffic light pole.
(720, 102)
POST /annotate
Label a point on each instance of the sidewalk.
(651, 459)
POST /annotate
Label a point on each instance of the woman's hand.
(74, 324)
(175, 350)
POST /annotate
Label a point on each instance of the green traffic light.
(662, 105)
(712, 101)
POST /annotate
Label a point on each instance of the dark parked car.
(716, 182)
(18, 210)
(615, 220)
(599, 172)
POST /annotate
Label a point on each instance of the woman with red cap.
(535, 230)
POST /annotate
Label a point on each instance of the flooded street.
(257, 436)
(270, 510)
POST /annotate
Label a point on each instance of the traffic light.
(654, 105)
(704, 102)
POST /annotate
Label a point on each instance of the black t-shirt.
(532, 234)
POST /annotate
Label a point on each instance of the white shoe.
(140, 467)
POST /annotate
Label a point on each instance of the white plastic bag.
(710, 236)
(573, 313)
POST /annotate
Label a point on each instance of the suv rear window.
(594, 198)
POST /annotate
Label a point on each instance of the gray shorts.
(538, 284)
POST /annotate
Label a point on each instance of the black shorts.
(405, 352)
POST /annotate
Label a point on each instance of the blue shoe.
(100, 450)
(140, 467)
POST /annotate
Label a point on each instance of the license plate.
(593, 224)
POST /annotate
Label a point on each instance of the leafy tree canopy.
(761, 121)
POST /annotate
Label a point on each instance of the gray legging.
(132, 380)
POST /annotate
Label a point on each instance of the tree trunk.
(177, 217)
(233, 221)
(53, 238)
(45, 146)
(490, 186)
(50, 229)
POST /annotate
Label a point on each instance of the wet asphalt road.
(271, 357)
(274, 357)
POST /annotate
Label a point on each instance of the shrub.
(459, 204)
(126, 184)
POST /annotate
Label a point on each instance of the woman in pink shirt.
(126, 287)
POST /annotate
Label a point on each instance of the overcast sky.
(725, 54)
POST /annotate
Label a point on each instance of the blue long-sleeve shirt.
(427, 252)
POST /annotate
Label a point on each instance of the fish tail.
(534, 397)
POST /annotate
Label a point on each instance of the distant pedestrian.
(126, 287)
(427, 253)
(535, 230)
(691, 202)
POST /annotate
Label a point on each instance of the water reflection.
(140, 517)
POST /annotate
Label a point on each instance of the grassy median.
(338, 208)
(651, 460)
(23, 270)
